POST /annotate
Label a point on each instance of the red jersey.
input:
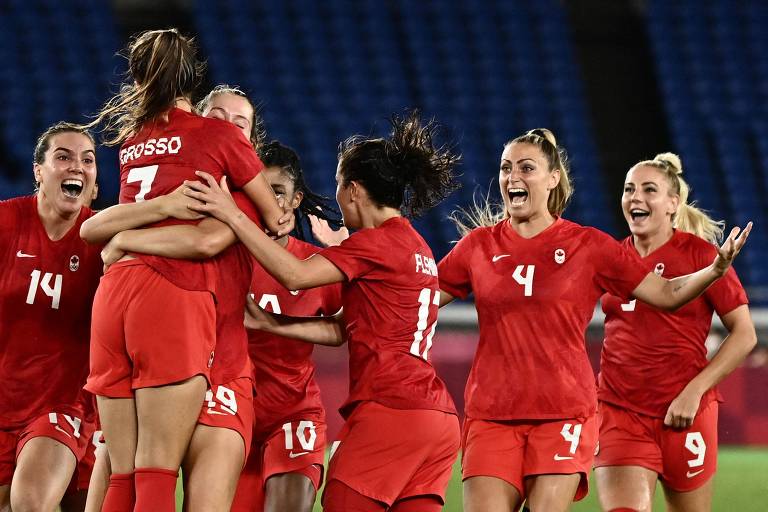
(390, 301)
(46, 293)
(234, 267)
(284, 374)
(534, 299)
(162, 155)
(650, 355)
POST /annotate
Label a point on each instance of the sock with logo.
(155, 490)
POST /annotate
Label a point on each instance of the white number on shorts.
(226, 398)
(425, 301)
(629, 306)
(270, 300)
(96, 439)
(54, 292)
(571, 433)
(525, 280)
(145, 175)
(695, 444)
(307, 441)
(73, 422)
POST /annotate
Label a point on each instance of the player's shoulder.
(16, 207)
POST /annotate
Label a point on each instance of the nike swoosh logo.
(20, 254)
(691, 474)
(294, 292)
(560, 457)
(211, 411)
(294, 455)
(67, 433)
(498, 257)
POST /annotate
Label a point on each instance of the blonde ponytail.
(483, 213)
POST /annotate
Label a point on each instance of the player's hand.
(177, 205)
(212, 198)
(255, 317)
(111, 253)
(727, 252)
(324, 234)
(287, 222)
(682, 410)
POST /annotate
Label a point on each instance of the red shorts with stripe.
(67, 429)
(145, 331)
(685, 459)
(391, 454)
(516, 450)
(297, 447)
(230, 406)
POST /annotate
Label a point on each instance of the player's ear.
(297, 198)
(36, 171)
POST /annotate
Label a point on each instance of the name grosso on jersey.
(161, 146)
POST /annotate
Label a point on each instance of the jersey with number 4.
(162, 155)
(46, 293)
(390, 304)
(534, 299)
(284, 374)
(650, 355)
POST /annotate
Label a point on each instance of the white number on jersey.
(226, 399)
(305, 434)
(54, 292)
(525, 280)
(571, 433)
(694, 442)
(425, 300)
(270, 300)
(73, 422)
(145, 175)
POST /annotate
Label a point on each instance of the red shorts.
(391, 454)
(297, 447)
(82, 478)
(515, 450)
(64, 428)
(685, 459)
(147, 332)
(230, 406)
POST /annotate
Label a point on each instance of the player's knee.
(32, 500)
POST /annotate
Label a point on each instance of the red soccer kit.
(390, 304)
(46, 292)
(289, 428)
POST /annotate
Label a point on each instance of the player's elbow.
(89, 232)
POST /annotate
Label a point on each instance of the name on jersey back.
(161, 146)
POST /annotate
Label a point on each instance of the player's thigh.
(551, 492)
(289, 492)
(625, 486)
(490, 494)
(118, 423)
(697, 500)
(211, 469)
(5, 498)
(44, 469)
(99, 482)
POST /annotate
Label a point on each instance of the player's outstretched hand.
(213, 198)
(727, 252)
(682, 410)
(324, 234)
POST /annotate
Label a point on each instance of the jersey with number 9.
(390, 304)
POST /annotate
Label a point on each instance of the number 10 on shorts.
(305, 434)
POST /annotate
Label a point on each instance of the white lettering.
(426, 265)
(527, 279)
(160, 146)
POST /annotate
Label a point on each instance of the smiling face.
(233, 108)
(67, 175)
(647, 201)
(525, 181)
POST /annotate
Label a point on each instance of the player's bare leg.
(490, 494)
(118, 423)
(44, 469)
(289, 492)
(211, 469)
(5, 498)
(97, 487)
(626, 486)
(698, 500)
(553, 493)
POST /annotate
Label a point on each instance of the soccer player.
(401, 434)
(531, 427)
(150, 381)
(46, 290)
(285, 467)
(658, 401)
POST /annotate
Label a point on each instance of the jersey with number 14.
(390, 304)
(534, 299)
(162, 155)
(46, 293)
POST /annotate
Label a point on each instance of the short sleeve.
(9, 220)
(726, 294)
(358, 255)
(241, 163)
(453, 269)
(331, 299)
(617, 270)
(247, 207)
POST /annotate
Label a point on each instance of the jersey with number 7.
(390, 304)
(534, 299)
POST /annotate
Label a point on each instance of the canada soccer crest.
(74, 263)
(659, 270)
(559, 256)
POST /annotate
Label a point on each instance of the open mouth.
(638, 214)
(517, 195)
(72, 188)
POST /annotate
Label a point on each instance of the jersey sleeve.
(241, 163)
(357, 255)
(331, 299)
(9, 220)
(617, 271)
(453, 269)
(727, 293)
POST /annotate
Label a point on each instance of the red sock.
(622, 509)
(155, 490)
(120, 494)
(338, 497)
(426, 503)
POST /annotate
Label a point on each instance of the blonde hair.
(484, 213)
(688, 217)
